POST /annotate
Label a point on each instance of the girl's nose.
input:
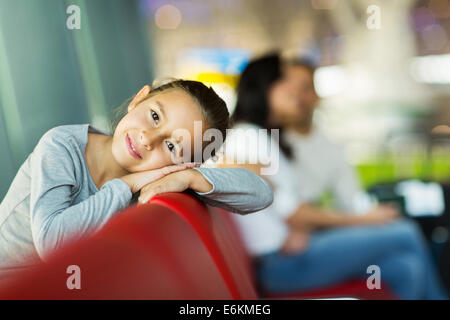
(146, 140)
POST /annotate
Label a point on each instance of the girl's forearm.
(52, 226)
(198, 182)
(234, 189)
(136, 181)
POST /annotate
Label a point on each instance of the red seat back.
(220, 238)
(147, 252)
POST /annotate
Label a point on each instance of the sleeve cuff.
(205, 175)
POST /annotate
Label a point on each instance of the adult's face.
(293, 98)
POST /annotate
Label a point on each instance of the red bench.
(222, 239)
(172, 248)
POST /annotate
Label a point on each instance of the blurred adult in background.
(319, 162)
(296, 244)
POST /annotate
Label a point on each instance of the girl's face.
(143, 138)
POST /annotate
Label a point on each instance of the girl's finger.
(189, 165)
(144, 199)
(177, 167)
(155, 190)
(170, 169)
(193, 164)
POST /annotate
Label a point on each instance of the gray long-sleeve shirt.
(53, 198)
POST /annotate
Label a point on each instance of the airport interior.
(380, 75)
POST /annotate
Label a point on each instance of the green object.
(51, 76)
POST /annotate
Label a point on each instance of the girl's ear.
(140, 96)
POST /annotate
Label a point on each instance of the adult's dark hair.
(252, 94)
(303, 63)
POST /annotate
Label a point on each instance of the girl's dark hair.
(214, 109)
(252, 94)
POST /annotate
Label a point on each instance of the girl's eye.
(155, 116)
(171, 146)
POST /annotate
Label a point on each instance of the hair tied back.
(159, 82)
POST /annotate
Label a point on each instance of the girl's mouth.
(132, 149)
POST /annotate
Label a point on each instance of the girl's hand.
(139, 179)
(175, 182)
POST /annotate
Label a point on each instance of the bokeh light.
(168, 17)
(434, 37)
(422, 17)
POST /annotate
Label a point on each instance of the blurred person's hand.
(441, 130)
(381, 214)
(296, 242)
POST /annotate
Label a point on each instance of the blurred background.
(383, 89)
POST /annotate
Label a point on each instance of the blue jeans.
(336, 255)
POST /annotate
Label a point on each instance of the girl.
(77, 178)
